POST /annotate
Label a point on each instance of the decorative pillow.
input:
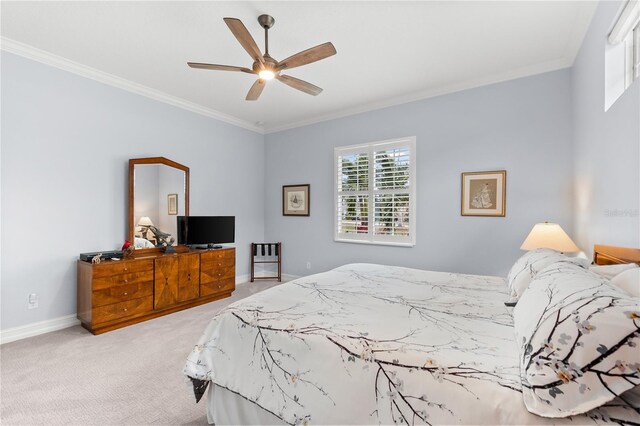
(628, 281)
(526, 268)
(578, 338)
(610, 271)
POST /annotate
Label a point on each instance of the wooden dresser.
(114, 294)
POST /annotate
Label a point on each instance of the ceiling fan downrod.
(266, 22)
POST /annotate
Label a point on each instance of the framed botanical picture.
(172, 203)
(295, 200)
(484, 193)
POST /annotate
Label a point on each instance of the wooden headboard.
(611, 255)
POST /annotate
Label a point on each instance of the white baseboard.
(289, 277)
(37, 328)
(242, 278)
(30, 330)
(245, 278)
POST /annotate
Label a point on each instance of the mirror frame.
(153, 160)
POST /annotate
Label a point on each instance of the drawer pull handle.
(126, 269)
(189, 276)
(125, 293)
(126, 281)
(166, 281)
(125, 309)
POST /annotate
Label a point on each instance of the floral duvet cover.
(373, 344)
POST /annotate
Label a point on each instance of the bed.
(373, 344)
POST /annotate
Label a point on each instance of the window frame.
(371, 192)
(635, 65)
(629, 43)
(622, 53)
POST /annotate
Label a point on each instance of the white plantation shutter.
(353, 191)
(375, 193)
(391, 190)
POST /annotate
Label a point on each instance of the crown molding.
(430, 93)
(35, 54)
(56, 61)
(568, 58)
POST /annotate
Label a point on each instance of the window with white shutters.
(622, 53)
(375, 192)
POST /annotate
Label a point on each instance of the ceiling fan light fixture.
(265, 66)
(266, 75)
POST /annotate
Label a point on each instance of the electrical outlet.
(32, 303)
(308, 265)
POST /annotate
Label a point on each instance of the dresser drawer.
(116, 311)
(122, 293)
(210, 264)
(220, 286)
(218, 255)
(122, 267)
(218, 273)
(123, 279)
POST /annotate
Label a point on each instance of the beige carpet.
(128, 376)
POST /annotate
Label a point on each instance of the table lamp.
(551, 236)
(144, 223)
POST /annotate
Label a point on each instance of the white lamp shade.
(145, 221)
(551, 236)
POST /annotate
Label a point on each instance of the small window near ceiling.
(622, 53)
(375, 193)
(636, 52)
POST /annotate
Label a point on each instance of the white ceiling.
(389, 52)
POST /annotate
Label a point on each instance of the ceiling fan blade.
(256, 90)
(308, 56)
(219, 67)
(244, 37)
(301, 85)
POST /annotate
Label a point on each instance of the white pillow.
(532, 262)
(142, 243)
(610, 271)
(578, 341)
(628, 281)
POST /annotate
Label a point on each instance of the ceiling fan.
(265, 66)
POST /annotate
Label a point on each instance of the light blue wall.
(607, 146)
(66, 141)
(523, 126)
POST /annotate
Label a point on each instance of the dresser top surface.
(157, 255)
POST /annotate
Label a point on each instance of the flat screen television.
(206, 230)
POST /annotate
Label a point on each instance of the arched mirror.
(158, 194)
